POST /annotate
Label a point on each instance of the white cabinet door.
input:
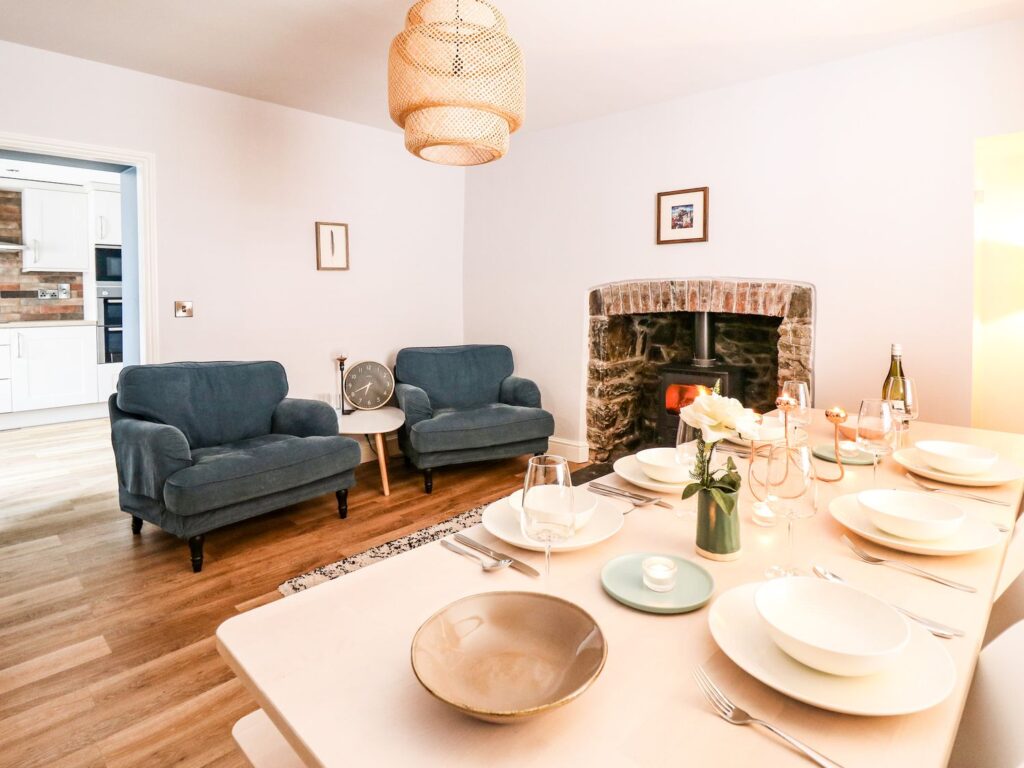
(106, 217)
(106, 380)
(55, 226)
(52, 367)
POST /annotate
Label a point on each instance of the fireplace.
(652, 343)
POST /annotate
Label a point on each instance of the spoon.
(495, 565)
(939, 630)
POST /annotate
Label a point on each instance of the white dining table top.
(330, 666)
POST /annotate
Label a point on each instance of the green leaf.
(691, 489)
(725, 501)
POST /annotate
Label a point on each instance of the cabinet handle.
(20, 353)
(35, 251)
(103, 226)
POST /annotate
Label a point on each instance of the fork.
(733, 714)
(960, 494)
(638, 500)
(871, 559)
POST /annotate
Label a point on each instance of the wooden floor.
(106, 639)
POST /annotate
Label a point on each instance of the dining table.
(330, 666)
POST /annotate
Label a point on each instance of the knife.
(519, 565)
(601, 488)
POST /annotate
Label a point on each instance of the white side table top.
(379, 421)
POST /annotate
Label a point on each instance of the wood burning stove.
(681, 383)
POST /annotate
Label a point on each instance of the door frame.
(145, 165)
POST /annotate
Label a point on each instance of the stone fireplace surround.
(624, 356)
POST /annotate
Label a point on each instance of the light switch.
(183, 309)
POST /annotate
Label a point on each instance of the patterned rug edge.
(397, 546)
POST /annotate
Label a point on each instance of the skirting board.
(21, 419)
(572, 450)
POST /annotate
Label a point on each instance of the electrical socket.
(183, 309)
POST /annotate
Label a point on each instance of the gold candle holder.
(836, 416)
(785, 404)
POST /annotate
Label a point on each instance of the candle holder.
(835, 416)
(659, 573)
(786, 405)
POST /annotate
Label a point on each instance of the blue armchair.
(463, 404)
(202, 445)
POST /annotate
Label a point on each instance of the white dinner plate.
(923, 676)
(1005, 471)
(628, 468)
(974, 535)
(501, 520)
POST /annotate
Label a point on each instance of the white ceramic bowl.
(665, 465)
(910, 514)
(832, 627)
(583, 505)
(957, 458)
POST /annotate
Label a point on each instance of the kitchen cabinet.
(106, 217)
(106, 380)
(6, 406)
(55, 227)
(53, 366)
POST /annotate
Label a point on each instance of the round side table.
(377, 423)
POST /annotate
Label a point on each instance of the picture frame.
(331, 245)
(682, 216)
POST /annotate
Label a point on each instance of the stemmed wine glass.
(876, 431)
(789, 475)
(547, 514)
(800, 394)
(901, 392)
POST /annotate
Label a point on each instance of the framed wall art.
(331, 245)
(682, 216)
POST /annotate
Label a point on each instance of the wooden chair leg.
(428, 480)
(195, 548)
(342, 503)
(136, 525)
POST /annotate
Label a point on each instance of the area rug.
(382, 552)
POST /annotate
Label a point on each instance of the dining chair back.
(990, 734)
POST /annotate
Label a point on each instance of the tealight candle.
(659, 573)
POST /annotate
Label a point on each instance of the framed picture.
(331, 245)
(683, 216)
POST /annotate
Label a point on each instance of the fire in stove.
(678, 396)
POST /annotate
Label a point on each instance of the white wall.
(999, 284)
(855, 176)
(239, 184)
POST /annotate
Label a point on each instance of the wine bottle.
(892, 387)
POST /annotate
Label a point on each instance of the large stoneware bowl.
(507, 656)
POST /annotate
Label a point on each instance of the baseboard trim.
(573, 450)
(22, 419)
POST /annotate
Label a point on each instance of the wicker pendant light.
(455, 82)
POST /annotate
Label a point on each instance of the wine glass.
(547, 505)
(876, 431)
(686, 453)
(801, 395)
(789, 475)
(901, 392)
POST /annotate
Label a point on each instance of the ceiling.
(584, 58)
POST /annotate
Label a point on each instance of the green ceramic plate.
(623, 579)
(828, 453)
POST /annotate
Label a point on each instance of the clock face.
(369, 385)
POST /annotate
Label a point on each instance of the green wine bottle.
(892, 387)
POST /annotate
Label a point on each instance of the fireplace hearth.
(652, 343)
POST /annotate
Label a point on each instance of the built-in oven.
(109, 323)
(108, 264)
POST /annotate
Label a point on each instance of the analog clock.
(368, 385)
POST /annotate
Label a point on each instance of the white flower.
(715, 416)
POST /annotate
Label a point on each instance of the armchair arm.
(414, 402)
(304, 418)
(519, 391)
(147, 453)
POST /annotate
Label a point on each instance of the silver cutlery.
(642, 500)
(493, 565)
(729, 712)
(518, 565)
(937, 629)
(871, 559)
(961, 494)
(633, 503)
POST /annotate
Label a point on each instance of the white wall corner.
(572, 450)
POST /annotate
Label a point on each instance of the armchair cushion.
(519, 391)
(490, 425)
(211, 403)
(147, 454)
(414, 403)
(256, 467)
(466, 376)
(304, 418)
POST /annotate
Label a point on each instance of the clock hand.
(362, 388)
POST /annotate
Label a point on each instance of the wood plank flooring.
(107, 656)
